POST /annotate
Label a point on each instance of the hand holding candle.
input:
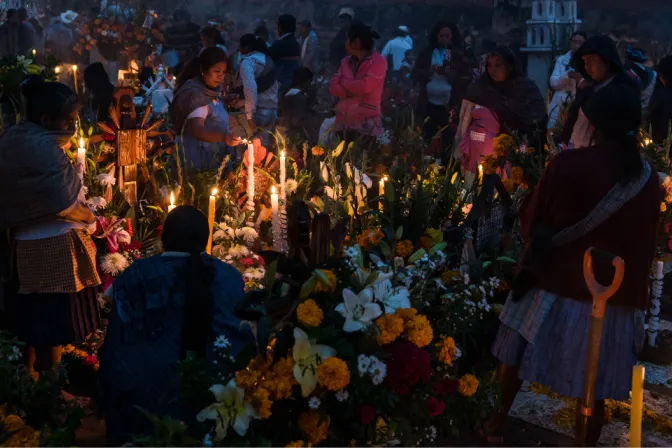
(211, 220)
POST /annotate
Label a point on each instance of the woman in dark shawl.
(41, 204)
(163, 307)
(198, 113)
(502, 100)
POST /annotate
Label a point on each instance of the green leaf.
(339, 149)
(269, 276)
(385, 248)
(389, 192)
(437, 247)
(506, 259)
(400, 232)
(416, 256)
(348, 208)
(308, 287)
(322, 277)
(90, 131)
(486, 264)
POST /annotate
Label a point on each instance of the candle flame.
(282, 153)
(57, 70)
(273, 189)
(81, 142)
(74, 68)
(172, 198)
(480, 168)
(214, 192)
(647, 142)
(34, 52)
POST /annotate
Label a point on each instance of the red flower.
(110, 248)
(367, 414)
(247, 261)
(129, 227)
(445, 388)
(407, 366)
(434, 406)
(260, 260)
(91, 360)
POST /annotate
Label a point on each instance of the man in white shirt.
(396, 48)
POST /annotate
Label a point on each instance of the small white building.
(548, 33)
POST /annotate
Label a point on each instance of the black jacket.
(660, 113)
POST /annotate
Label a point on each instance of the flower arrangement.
(232, 242)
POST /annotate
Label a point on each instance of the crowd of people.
(169, 304)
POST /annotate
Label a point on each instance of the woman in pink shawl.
(502, 100)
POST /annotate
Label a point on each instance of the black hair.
(10, 13)
(302, 75)
(508, 56)
(287, 24)
(23, 13)
(455, 31)
(664, 68)
(96, 77)
(182, 14)
(186, 230)
(616, 114)
(253, 43)
(364, 33)
(51, 99)
(261, 31)
(579, 33)
(213, 33)
(208, 57)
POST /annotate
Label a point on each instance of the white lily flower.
(392, 298)
(306, 358)
(358, 309)
(229, 409)
(324, 172)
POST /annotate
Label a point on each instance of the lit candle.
(74, 78)
(211, 220)
(34, 53)
(275, 222)
(57, 70)
(283, 178)
(636, 399)
(480, 173)
(250, 183)
(647, 142)
(171, 207)
(81, 157)
(381, 192)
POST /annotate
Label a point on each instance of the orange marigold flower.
(321, 287)
(404, 248)
(419, 331)
(261, 403)
(253, 373)
(12, 423)
(447, 350)
(426, 242)
(317, 151)
(406, 313)
(333, 374)
(314, 426)
(309, 313)
(280, 380)
(502, 144)
(390, 327)
(467, 385)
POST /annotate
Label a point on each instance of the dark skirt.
(49, 320)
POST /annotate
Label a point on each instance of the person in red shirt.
(607, 197)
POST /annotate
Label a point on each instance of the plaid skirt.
(58, 264)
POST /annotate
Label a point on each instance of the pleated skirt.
(557, 358)
(49, 320)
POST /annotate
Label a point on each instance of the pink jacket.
(359, 93)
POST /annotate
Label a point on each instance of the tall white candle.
(283, 178)
(250, 182)
(275, 222)
(74, 78)
(659, 270)
(81, 157)
(171, 207)
(211, 219)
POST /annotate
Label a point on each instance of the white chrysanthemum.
(113, 264)
(219, 251)
(123, 237)
(222, 342)
(248, 234)
(225, 232)
(377, 370)
(314, 403)
(16, 354)
(254, 274)
(342, 395)
(106, 179)
(97, 202)
(239, 251)
(291, 186)
(363, 364)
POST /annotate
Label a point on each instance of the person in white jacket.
(564, 79)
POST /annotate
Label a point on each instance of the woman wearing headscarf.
(442, 73)
(502, 100)
(164, 307)
(198, 113)
(358, 85)
(587, 198)
(42, 205)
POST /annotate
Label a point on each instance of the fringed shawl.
(189, 97)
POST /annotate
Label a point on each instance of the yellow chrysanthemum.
(467, 385)
(13, 423)
(261, 403)
(309, 313)
(404, 248)
(447, 350)
(333, 374)
(321, 287)
(502, 144)
(390, 327)
(663, 207)
(314, 426)
(280, 381)
(419, 331)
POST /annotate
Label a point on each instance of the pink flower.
(91, 360)
(247, 261)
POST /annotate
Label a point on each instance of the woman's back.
(573, 185)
